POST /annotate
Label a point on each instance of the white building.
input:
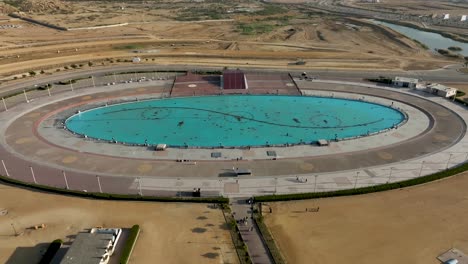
(405, 82)
(95, 247)
(463, 18)
(136, 60)
(446, 16)
(441, 90)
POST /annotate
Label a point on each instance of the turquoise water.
(234, 120)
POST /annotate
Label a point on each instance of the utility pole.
(25, 96)
(448, 161)
(420, 171)
(357, 176)
(99, 183)
(32, 173)
(139, 186)
(4, 104)
(65, 178)
(315, 183)
(389, 176)
(5, 168)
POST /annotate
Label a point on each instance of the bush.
(365, 190)
(51, 251)
(455, 48)
(108, 196)
(129, 244)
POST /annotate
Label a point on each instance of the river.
(432, 40)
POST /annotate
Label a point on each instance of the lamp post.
(420, 171)
(25, 96)
(276, 183)
(448, 161)
(5, 168)
(71, 85)
(32, 174)
(65, 178)
(357, 176)
(139, 186)
(389, 176)
(4, 104)
(315, 183)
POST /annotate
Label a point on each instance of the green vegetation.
(109, 196)
(255, 28)
(270, 10)
(365, 190)
(129, 244)
(268, 239)
(126, 47)
(381, 79)
(424, 46)
(211, 12)
(51, 251)
(460, 93)
(448, 53)
(455, 48)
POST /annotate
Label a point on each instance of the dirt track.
(167, 228)
(412, 225)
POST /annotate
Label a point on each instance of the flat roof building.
(95, 247)
(405, 82)
(441, 90)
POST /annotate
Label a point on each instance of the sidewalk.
(257, 249)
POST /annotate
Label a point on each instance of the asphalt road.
(448, 74)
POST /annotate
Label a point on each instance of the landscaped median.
(109, 196)
(268, 239)
(364, 190)
(239, 244)
(130, 244)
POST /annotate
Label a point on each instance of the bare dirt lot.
(170, 232)
(412, 225)
(230, 34)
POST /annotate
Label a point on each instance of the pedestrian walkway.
(249, 232)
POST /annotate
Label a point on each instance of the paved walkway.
(249, 232)
(275, 177)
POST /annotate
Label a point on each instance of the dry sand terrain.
(412, 225)
(170, 232)
(230, 34)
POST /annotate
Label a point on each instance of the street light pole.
(420, 171)
(139, 186)
(71, 85)
(4, 167)
(4, 104)
(32, 173)
(99, 183)
(448, 161)
(276, 183)
(357, 176)
(389, 176)
(25, 96)
(94, 84)
(315, 183)
(65, 178)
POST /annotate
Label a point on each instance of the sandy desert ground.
(242, 34)
(170, 232)
(412, 225)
